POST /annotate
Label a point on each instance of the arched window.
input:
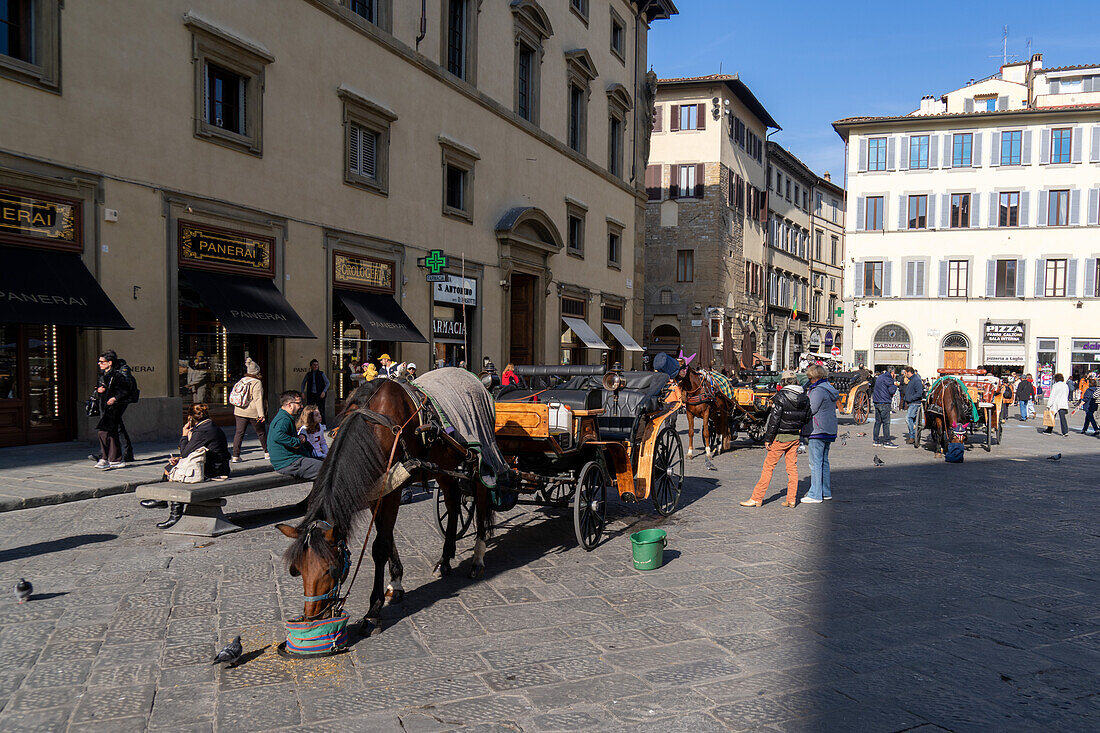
(892, 334)
(956, 341)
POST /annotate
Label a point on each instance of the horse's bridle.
(338, 572)
(690, 397)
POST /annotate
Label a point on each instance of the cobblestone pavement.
(38, 475)
(926, 597)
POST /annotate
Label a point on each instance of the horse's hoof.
(477, 572)
(395, 596)
(442, 570)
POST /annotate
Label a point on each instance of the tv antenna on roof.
(1004, 47)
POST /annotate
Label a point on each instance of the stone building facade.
(276, 179)
(789, 197)
(827, 267)
(706, 218)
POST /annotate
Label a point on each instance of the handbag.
(191, 469)
(91, 406)
(1048, 418)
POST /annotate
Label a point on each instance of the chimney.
(1036, 61)
(828, 176)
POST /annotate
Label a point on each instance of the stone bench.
(203, 514)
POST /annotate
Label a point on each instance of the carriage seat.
(641, 395)
(576, 399)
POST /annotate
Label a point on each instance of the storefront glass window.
(352, 348)
(9, 362)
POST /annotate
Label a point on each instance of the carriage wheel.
(756, 431)
(590, 505)
(918, 426)
(861, 410)
(667, 480)
(465, 513)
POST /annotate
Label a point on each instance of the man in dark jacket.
(911, 397)
(113, 393)
(882, 395)
(789, 413)
(315, 387)
(1025, 393)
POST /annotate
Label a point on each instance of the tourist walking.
(199, 382)
(821, 430)
(387, 369)
(883, 393)
(113, 392)
(912, 396)
(247, 398)
(315, 387)
(789, 413)
(1025, 393)
(1058, 404)
(199, 432)
(291, 454)
(1088, 401)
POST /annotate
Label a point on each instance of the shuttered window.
(918, 212)
(962, 149)
(1057, 208)
(1054, 285)
(960, 210)
(687, 181)
(958, 277)
(691, 117)
(1011, 147)
(915, 278)
(1008, 210)
(1061, 145)
(918, 152)
(872, 280)
(876, 152)
(653, 182)
(1004, 285)
(362, 152)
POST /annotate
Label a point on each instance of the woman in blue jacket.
(821, 430)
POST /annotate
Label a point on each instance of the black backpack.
(131, 383)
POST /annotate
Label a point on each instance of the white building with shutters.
(974, 237)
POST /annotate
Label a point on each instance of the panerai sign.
(31, 218)
(222, 249)
(1003, 333)
(457, 290)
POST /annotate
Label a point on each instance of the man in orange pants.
(789, 413)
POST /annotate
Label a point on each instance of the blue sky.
(811, 63)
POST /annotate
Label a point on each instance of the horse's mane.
(355, 460)
(959, 399)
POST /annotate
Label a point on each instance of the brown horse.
(383, 432)
(947, 407)
(702, 401)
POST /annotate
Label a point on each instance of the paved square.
(925, 596)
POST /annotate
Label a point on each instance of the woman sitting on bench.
(199, 432)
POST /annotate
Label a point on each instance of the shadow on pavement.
(44, 548)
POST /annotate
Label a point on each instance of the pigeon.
(1055, 457)
(878, 462)
(230, 654)
(861, 435)
(23, 590)
(846, 434)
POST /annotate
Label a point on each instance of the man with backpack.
(912, 395)
(247, 398)
(115, 389)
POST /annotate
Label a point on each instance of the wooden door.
(522, 339)
(954, 359)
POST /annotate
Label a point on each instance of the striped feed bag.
(721, 384)
(317, 637)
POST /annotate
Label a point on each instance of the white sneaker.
(810, 500)
(827, 498)
(235, 459)
(267, 456)
(120, 464)
(102, 464)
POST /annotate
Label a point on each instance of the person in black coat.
(788, 416)
(113, 394)
(199, 432)
(1025, 393)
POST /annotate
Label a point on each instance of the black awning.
(248, 305)
(42, 286)
(381, 317)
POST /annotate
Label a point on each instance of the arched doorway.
(665, 337)
(527, 239)
(815, 340)
(956, 351)
(890, 346)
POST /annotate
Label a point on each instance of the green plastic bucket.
(649, 548)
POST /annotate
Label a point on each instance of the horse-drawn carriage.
(961, 403)
(855, 395)
(570, 440)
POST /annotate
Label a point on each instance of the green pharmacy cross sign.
(435, 261)
(839, 311)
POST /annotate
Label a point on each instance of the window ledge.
(198, 23)
(459, 214)
(29, 74)
(576, 253)
(367, 184)
(615, 265)
(241, 143)
(579, 14)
